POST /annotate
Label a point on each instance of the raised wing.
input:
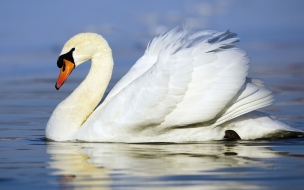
(219, 72)
(147, 60)
(182, 79)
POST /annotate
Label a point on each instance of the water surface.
(28, 161)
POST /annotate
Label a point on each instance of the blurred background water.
(32, 34)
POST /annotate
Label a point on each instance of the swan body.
(185, 88)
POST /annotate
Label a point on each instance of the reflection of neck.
(71, 113)
(74, 168)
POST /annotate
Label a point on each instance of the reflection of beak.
(65, 71)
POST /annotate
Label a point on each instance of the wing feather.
(182, 79)
(252, 96)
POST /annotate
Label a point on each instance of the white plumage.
(184, 88)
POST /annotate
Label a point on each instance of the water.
(28, 52)
(28, 161)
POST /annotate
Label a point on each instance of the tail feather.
(252, 96)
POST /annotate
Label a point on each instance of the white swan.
(185, 88)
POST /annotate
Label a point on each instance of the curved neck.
(71, 113)
(89, 93)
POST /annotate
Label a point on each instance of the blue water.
(32, 34)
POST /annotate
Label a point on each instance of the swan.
(187, 87)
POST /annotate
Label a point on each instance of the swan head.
(80, 48)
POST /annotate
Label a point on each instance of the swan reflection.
(106, 166)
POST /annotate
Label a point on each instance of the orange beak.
(65, 71)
